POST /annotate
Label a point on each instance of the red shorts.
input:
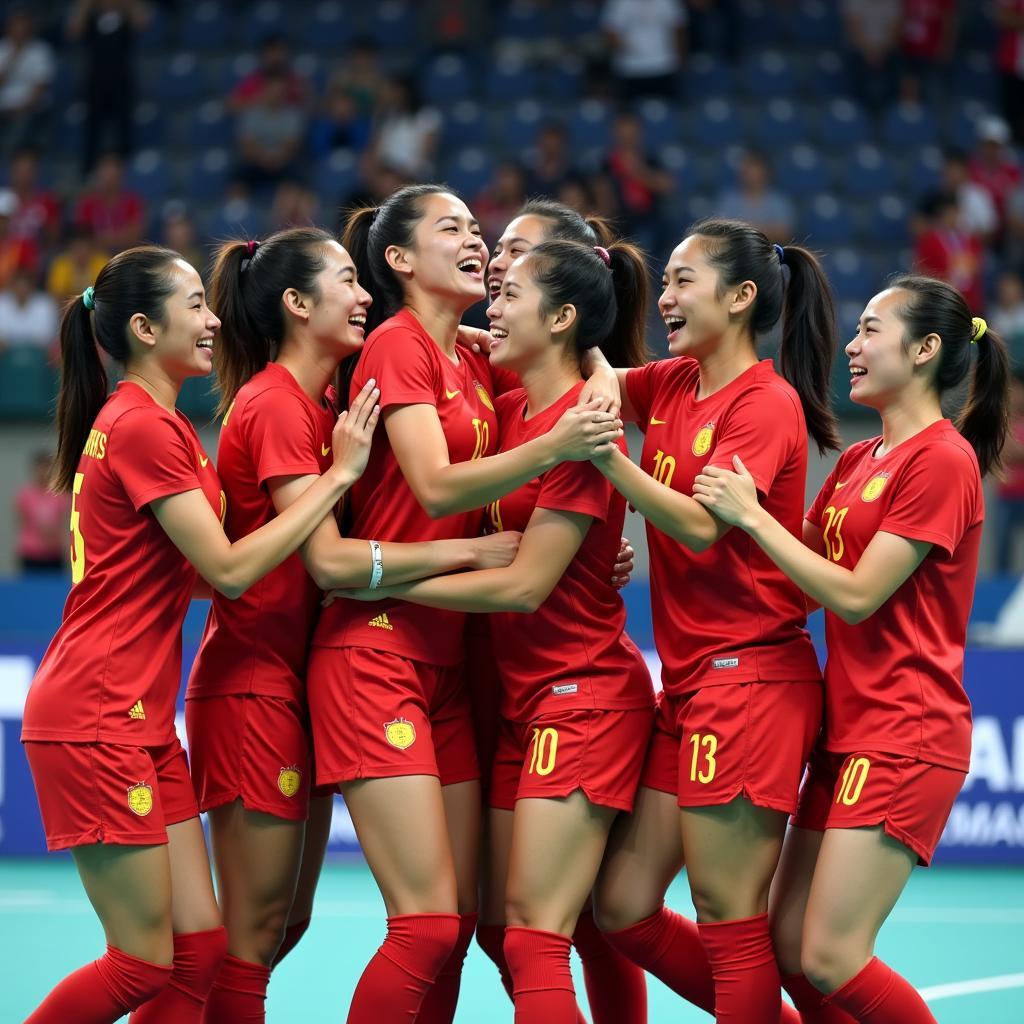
(251, 748)
(108, 793)
(910, 799)
(742, 739)
(377, 715)
(600, 752)
(483, 686)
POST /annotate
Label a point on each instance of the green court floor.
(958, 934)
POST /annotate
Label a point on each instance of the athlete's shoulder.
(945, 449)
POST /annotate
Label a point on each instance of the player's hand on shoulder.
(353, 433)
(585, 432)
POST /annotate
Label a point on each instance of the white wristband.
(378, 565)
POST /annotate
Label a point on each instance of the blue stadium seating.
(826, 221)
(209, 175)
(589, 125)
(717, 123)
(825, 75)
(393, 24)
(263, 19)
(148, 175)
(469, 171)
(867, 171)
(815, 23)
(466, 124)
(211, 27)
(446, 79)
(769, 73)
(801, 170)
(707, 78)
(887, 221)
(780, 123)
(180, 78)
(508, 80)
(842, 123)
(910, 127)
(337, 176)
(329, 28)
(519, 124)
(852, 279)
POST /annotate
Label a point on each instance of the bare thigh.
(791, 889)
(496, 852)
(314, 849)
(462, 807)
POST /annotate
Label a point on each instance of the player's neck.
(546, 384)
(906, 416)
(152, 379)
(733, 355)
(438, 319)
(312, 371)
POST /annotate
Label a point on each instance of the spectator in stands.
(946, 251)
(107, 30)
(359, 77)
(275, 65)
(756, 201)
(38, 213)
(26, 72)
(76, 266)
(576, 193)
(447, 26)
(633, 185)
(1006, 314)
(500, 201)
(270, 133)
(115, 214)
(549, 164)
(1010, 510)
(978, 214)
(648, 45)
(28, 315)
(15, 253)
(295, 205)
(1009, 16)
(927, 44)
(405, 133)
(873, 35)
(42, 517)
(339, 123)
(994, 166)
(178, 232)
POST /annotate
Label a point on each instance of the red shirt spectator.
(43, 519)
(993, 165)
(15, 253)
(946, 251)
(928, 28)
(115, 215)
(38, 214)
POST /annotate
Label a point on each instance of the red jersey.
(410, 369)
(1010, 48)
(728, 614)
(926, 26)
(573, 652)
(111, 673)
(895, 681)
(259, 642)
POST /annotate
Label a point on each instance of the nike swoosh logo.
(655, 422)
(840, 486)
(204, 462)
(325, 449)
(450, 394)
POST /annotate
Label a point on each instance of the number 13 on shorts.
(703, 764)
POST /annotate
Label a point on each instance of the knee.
(727, 899)
(785, 941)
(828, 961)
(617, 908)
(262, 934)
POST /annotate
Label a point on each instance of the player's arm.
(336, 561)
(605, 379)
(231, 569)
(549, 544)
(443, 488)
(814, 541)
(852, 594)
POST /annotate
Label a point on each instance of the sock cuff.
(236, 975)
(868, 988)
(757, 921)
(804, 995)
(538, 960)
(745, 941)
(420, 944)
(129, 979)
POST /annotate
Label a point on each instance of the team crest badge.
(140, 798)
(481, 393)
(702, 442)
(289, 780)
(874, 487)
(400, 733)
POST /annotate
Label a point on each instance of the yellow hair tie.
(978, 329)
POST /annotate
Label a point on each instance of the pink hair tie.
(250, 247)
(604, 254)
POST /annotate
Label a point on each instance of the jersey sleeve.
(575, 487)
(762, 429)
(641, 386)
(402, 366)
(281, 435)
(936, 499)
(822, 498)
(152, 457)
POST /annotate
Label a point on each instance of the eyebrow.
(512, 241)
(194, 295)
(473, 222)
(868, 319)
(677, 270)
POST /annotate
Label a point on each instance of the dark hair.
(935, 307)
(610, 298)
(134, 281)
(568, 225)
(246, 286)
(739, 252)
(370, 230)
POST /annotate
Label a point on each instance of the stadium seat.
(446, 79)
(888, 222)
(826, 222)
(769, 73)
(589, 125)
(814, 23)
(759, 24)
(565, 78)
(156, 33)
(150, 124)
(509, 79)
(800, 170)
(852, 279)
(717, 123)
(825, 75)
(525, 20)
(868, 171)
(328, 29)
(678, 162)
(393, 24)
(469, 171)
(337, 177)
(661, 122)
(842, 123)
(960, 126)
(973, 78)
(179, 78)
(465, 125)
(909, 126)
(707, 78)
(924, 171)
(518, 126)
(779, 123)
(28, 384)
(212, 125)
(262, 19)
(210, 27)
(579, 18)
(237, 218)
(209, 175)
(148, 175)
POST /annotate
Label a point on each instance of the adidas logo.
(381, 621)
(137, 711)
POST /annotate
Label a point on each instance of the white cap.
(993, 129)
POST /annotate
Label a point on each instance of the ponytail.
(935, 307)
(809, 343)
(135, 281)
(627, 343)
(740, 252)
(246, 288)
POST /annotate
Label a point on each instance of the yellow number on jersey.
(494, 514)
(834, 548)
(854, 777)
(77, 540)
(707, 773)
(483, 438)
(545, 749)
(664, 468)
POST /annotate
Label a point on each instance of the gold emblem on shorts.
(874, 487)
(140, 798)
(400, 733)
(481, 393)
(289, 780)
(702, 442)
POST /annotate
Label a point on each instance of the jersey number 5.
(77, 540)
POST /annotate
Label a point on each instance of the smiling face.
(337, 314)
(881, 366)
(521, 235)
(520, 332)
(447, 254)
(694, 312)
(183, 343)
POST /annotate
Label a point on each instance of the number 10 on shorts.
(855, 774)
(544, 750)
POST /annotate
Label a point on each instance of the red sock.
(615, 985)
(197, 958)
(439, 1005)
(396, 980)
(811, 1003)
(747, 985)
(292, 934)
(239, 993)
(103, 991)
(541, 979)
(878, 995)
(491, 939)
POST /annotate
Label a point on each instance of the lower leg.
(197, 958)
(616, 988)
(541, 979)
(878, 995)
(439, 1005)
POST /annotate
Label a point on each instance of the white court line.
(958, 915)
(973, 987)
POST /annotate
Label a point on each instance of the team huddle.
(411, 535)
